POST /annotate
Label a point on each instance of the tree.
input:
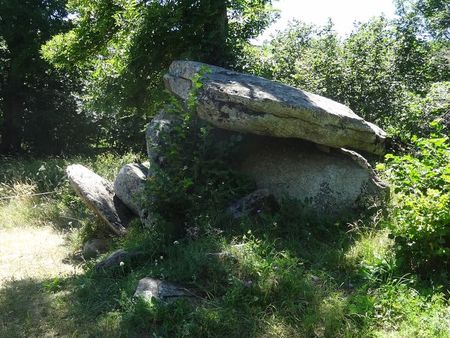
(36, 106)
(433, 15)
(124, 47)
(378, 70)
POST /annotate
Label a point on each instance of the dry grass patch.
(33, 255)
(36, 253)
(30, 247)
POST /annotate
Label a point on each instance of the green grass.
(282, 276)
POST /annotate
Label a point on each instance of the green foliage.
(377, 70)
(194, 183)
(421, 111)
(421, 212)
(123, 48)
(433, 15)
(277, 275)
(408, 311)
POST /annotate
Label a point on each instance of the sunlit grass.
(17, 208)
(371, 249)
(33, 253)
(42, 224)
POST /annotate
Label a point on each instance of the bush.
(420, 219)
(195, 183)
(420, 111)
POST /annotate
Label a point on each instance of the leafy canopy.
(123, 47)
(380, 70)
(433, 15)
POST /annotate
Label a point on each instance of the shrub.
(420, 219)
(419, 112)
(195, 183)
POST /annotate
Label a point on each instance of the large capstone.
(245, 103)
(329, 182)
(98, 194)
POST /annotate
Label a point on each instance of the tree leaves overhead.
(379, 70)
(123, 47)
(433, 15)
(113, 53)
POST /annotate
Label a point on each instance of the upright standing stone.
(129, 186)
(330, 183)
(159, 128)
(98, 194)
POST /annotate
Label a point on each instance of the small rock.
(116, 259)
(316, 280)
(149, 288)
(248, 283)
(258, 201)
(94, 247)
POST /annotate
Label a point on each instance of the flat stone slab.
(98, 194)
(245, 103)
(149, 288)
(331, 182)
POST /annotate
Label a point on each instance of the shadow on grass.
(72, 306)
(242, 298)
(24, 309)
(277, 278)
(269, 285)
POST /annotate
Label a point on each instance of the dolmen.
(296, 145)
